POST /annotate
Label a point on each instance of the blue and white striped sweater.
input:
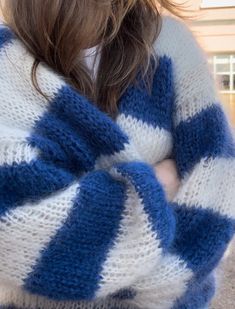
(84, 222)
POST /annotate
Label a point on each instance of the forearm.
(66, 230)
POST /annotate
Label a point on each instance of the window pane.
(222, 63)
(223, 67)
(224, 82)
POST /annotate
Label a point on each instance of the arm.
(204, 151)
(62, 235)
(55, 228)
(204, 207)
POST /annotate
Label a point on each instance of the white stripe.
(129, 153)
(210, 185)
(146, 143)
(136, 248)
(26, 230)
(153, 144)
(14, 147)
(164, 285)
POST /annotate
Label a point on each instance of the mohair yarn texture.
(84, 220)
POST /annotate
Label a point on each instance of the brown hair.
(57, 31)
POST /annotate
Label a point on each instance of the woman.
(92, 212)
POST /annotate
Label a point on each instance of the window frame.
(231, 71)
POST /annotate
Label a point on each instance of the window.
(217, 3)
(223, 67)
(224, 71)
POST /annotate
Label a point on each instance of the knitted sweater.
(84, 221)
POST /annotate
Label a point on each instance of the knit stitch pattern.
(84, 221)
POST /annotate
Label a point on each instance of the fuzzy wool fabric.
(84, 221)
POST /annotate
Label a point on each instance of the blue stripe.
(61, 145)
(197, 295)
(153, 198)
(124, 294)
(90, 124)
(29, 182)
(154, 108)
(201, 238)
(73, 133)
(6, 36)
(207, 134)
(70, 267)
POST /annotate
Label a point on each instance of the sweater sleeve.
(71, 234)
(204, 151)
(55, 227)
(204, 207)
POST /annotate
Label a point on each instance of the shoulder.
(20, 103)
(194, 84)
(178, 42)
